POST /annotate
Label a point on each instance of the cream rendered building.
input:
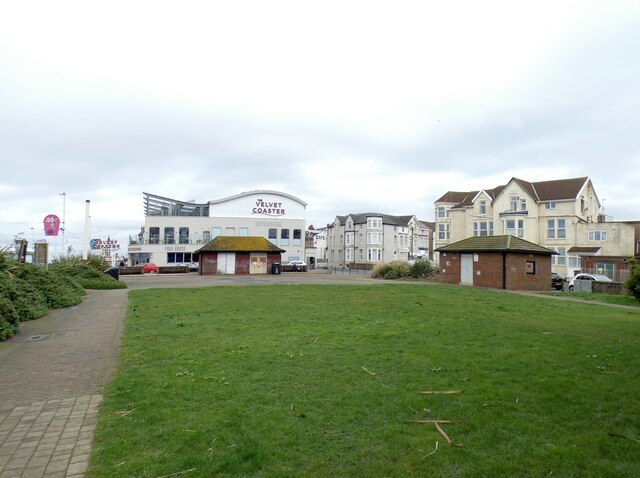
(562, 215)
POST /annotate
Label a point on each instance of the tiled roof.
(506, 243)
(386, 218)
(240, 244)
(541, 191)
(559, 189)
(453, 196)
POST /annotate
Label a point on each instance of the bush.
(380, 270)
(58, 290)
(633, 284)
(391, 274)
(422, 269)
(27, 301)
(8, 318)
(96, 262)
(402, 269)
(87, 276)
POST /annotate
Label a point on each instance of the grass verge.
(323, 381)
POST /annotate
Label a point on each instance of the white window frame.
(349, 239)
(403, 240)
(374, 254)
(598, 235)
(517, 229)
(550, 205)
(483, 228)
(443, 231)
(561, 258)
(374, 223)
(513, 203)
(483, 207)
(374, 238)
(348, 255)
(556, 228)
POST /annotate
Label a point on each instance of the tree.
(633, 284)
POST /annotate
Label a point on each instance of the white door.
(466, 269)
(226, 262)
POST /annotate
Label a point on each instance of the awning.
(584, 251)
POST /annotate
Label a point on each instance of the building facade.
(561, 215)
(316, 248)
(174, 230)
(364, 240)
(500, 262)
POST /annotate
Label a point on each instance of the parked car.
(591, 277)
(295, 266)
(556, 281)
(191, 266)
(296, 263)
(149, 267)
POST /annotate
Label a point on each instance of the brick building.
(499, 262)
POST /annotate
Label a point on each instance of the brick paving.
(51, 378)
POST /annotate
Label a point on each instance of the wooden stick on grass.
(623, 436)
(437, 421)
(440, 392)
(442, 432)
(179, 473)
(368, 371)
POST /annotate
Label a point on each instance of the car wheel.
(570, 288)
(152, 271)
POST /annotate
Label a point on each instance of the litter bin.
(275, 268)
(113, 272)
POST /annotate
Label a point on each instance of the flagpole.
(64, 208)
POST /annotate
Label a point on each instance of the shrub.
(391, 274)
(96, 262)
(392, 270)
(422, 269)
(30, 303)
(8, 318)
(633, 284)
(380, 270)
(58, 289)
(87, 276)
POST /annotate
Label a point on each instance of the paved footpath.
(51, 380)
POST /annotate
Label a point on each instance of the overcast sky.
(352, 106)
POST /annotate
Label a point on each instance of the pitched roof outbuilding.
(505, 243)
(239, 244)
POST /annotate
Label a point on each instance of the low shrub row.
(27, 291)
(403, 270)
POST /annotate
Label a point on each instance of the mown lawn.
(292, 381)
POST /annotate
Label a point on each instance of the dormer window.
(374, 222)
(483, 208)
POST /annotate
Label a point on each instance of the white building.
(174, 230)
(316, 248)
(364, 240)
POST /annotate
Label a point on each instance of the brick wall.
(449, 267)
(487, 270)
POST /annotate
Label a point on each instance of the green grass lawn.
(291, 381)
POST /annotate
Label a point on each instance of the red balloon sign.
(51, 225)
